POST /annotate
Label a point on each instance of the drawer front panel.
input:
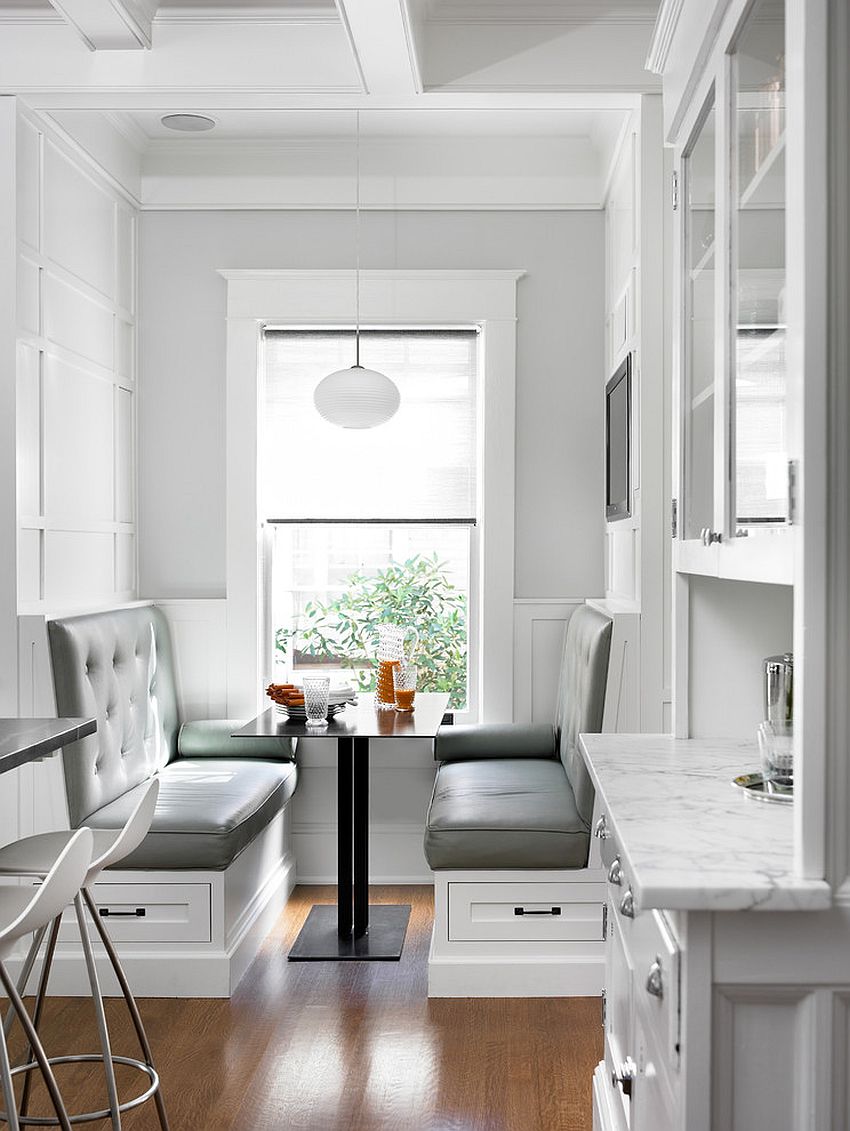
(533, 912)
(619, 987)
(150, 913)
(656, 960)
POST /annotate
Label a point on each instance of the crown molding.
(540, 14)
(34, 16)
(246, 13)
(662, 37)
(571, 19)
(129, 129)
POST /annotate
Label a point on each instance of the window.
(373, 525)
(401, 297)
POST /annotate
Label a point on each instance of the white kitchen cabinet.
(723, 969)
(734, 476)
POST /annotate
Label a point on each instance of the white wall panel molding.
(199, 636)
(539, 627)
(76, 375)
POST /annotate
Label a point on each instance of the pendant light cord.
(357, 239)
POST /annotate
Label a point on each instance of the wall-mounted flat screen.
(618, 414)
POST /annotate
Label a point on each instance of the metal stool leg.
(38, 1051)
(39, 1005)
(128, 997)
(26, 970)
(8, 1088)
(100, 1014)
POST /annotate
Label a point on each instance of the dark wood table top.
(25, 740)
(358, 720)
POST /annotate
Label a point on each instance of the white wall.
(560, 345)
(558, 420)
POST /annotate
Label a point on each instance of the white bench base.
(518, 934)
(197, 933)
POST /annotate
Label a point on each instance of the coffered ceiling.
(526, 96)
(391, 51)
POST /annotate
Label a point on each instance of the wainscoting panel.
(76, 367)
(199, 636)
(539, 628)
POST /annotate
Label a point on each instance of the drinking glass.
(316, 694)
(404, 684)
(776, 746)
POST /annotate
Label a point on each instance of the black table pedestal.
(352, 929)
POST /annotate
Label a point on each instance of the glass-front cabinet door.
(733, 475)
(699, 176)
(760, 486)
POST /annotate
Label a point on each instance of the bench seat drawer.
(525, 912)
(153, 913)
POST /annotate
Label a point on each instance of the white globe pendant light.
(356, 397)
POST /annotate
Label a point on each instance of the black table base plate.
(318, 940)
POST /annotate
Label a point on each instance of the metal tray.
(756, 787)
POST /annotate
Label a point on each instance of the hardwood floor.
(346, 1047)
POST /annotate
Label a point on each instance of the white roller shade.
(420, 464)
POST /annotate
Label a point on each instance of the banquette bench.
(192, 903)
(519, 891)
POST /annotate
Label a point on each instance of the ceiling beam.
(110, 25)
(382, 35)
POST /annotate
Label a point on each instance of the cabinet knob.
(709, 537)
(655, 981)
(602, 831)
(627, 904)
(615, 872)
(625, 1076)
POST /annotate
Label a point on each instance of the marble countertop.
(688, 839)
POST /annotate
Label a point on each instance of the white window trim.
(259, 298)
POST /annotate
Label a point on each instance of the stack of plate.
(338, 699)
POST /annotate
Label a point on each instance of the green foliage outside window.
(414, 593)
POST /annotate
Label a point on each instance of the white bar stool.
(30, 857)
(21, 912)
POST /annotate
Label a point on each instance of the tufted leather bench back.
(117, 666)
(581, 696)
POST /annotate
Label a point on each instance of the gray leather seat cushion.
(504, 813)
(207, 811)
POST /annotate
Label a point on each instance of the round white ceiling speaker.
(356, 398)
(188, 123)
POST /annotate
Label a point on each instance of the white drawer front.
(525, 912)
(150, 912)
(655, 958)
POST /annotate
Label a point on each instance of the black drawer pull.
(107, 913)
(524, 911)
